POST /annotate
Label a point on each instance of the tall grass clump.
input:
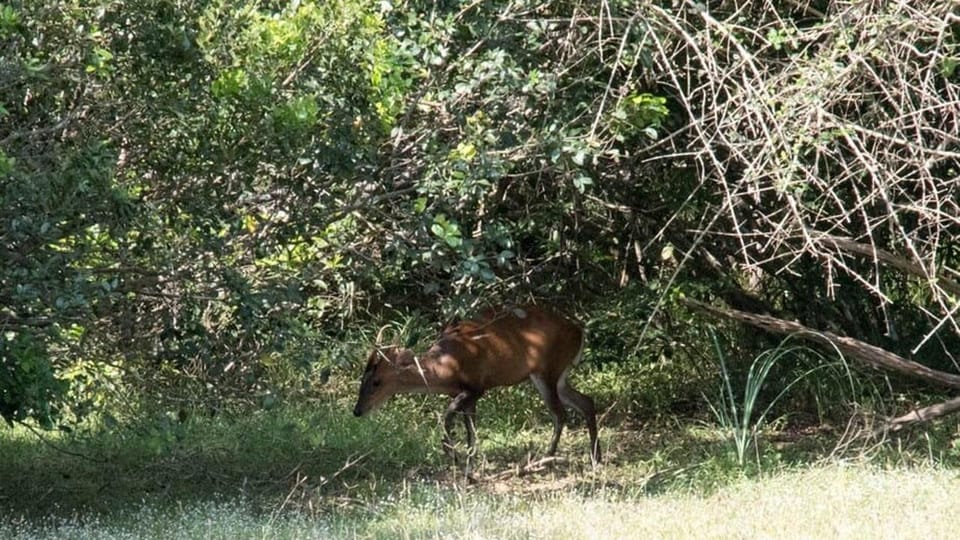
(738, 416)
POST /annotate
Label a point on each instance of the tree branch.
(924, 414)
(869, 354)
(904, 265)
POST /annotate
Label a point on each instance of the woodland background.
(211, 205)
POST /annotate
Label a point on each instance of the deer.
(504, 348)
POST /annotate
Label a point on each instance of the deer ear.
(405, 358)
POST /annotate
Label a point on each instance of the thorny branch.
(834, 142)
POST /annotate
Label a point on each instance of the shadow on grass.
(261, 457)
(316, 457)
(639, 461)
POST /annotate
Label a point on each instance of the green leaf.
(230, 83)
(447, 231)
(420, 205)
(949, 66)
(581, 182)
(464, 151)
(579, 157)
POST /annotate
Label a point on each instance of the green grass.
(823, 502)
(257, 456)
(307, 468)
(834, 501)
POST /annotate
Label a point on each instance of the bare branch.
(924, 414)
(899, 263)
(869, 354)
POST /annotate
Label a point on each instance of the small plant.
(643, 113)
(737, 417)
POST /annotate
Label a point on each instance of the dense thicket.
(204, 190)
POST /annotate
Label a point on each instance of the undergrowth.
(313, 456)
(305, 467)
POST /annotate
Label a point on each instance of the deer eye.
(376, 383)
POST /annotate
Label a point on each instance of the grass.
(308, 469)
(741, 418)
(833, 501)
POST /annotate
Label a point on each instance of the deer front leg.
(453, 408)
(465, 404)
(469, 413)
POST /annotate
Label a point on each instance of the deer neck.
(429, 376)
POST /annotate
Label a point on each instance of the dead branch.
(924, 414)
(904, 265)
(525, 468)
(869, 354)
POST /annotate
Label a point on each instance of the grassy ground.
(311, 470)
(823, 502)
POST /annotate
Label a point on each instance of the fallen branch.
(525, 469)
(869, 354)
(922, 415)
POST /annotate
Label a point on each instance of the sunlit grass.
(306, 468)
(834, 501)
(826, 502)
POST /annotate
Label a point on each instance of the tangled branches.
(829, 137)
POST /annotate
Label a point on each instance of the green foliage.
(784, 38)
(9, 18)
(6, 164)
(643, 113)
(297, 115)
(29, 386)
(230, 83)
(209, 201)
(158, 236)
(446, 231)
(210, 190)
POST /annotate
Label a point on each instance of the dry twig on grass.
(523, 469)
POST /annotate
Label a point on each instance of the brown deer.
(504, 348)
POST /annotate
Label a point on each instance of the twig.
(525, 469)
(60, 449)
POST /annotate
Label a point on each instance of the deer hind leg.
(469, 410)
(448, 417)
(584, 404)
(551, 397)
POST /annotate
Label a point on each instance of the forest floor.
(313, 471)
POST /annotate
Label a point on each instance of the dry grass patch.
(834, 501)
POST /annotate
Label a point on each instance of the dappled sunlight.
(836, 501)
(323, 268)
